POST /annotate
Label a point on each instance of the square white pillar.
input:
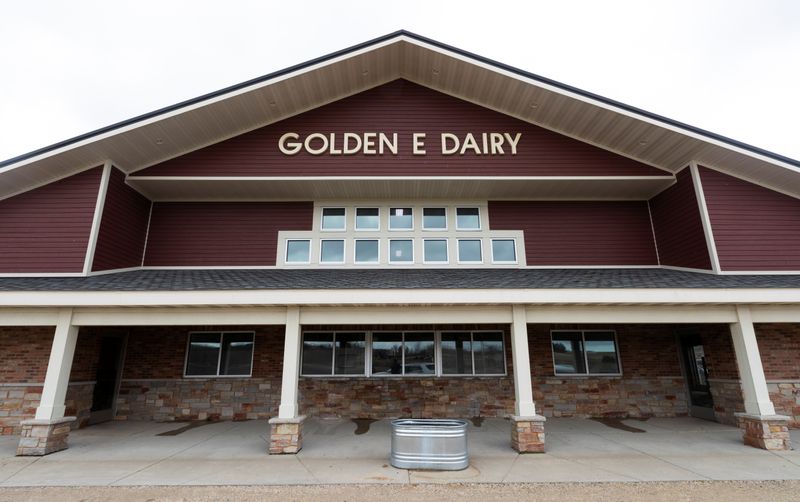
(56, 381)
(748, 360)
(291, 365)
(523, 390)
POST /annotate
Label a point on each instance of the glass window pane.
(435, 250)
(332, 251)
(387, 354)
(469, 250)
(298, 251)
(350, 348)
(203, 354)
(419, 354)
(317, 353)
(488, 348)
(601, 352)
(468, 218)
(237, 354)
(503, 250)
(401, 251)
(367, 218)
(568, 353)
(456, 354)
(401, 218)
(367, 251)
(333, 218)
(434, 218)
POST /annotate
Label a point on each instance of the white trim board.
(102, 192)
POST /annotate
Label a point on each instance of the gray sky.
(732, 67)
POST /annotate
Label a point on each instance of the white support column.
(748, 359)
(523, 390)
(291, 365)
(51, 405)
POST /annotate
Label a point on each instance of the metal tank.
(438, 444)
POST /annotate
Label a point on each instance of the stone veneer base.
(768, 432)
(285, 435)
(527, 434)
(42, 437)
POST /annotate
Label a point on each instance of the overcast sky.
(732, 67)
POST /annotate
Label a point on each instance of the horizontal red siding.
(579, 233)
(123, 227)
(678, 225)
(404, 108)
(47, 229)
(221, 233)
(754, 228)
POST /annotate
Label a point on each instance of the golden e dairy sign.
(378, 143)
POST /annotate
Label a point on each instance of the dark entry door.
(701, 404)
(107, 379)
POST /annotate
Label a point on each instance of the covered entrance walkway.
(341, 451)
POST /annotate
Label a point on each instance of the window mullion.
(333, 354)
(472, 350)
(219, 352)
(585, 356)
(403, 353)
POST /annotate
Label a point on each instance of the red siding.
(221, 233)
(754, 228)
(123, 227)
(678, 225)
(579, 233)
(47, 229)
(405, 108)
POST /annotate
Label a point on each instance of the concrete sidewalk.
(133, 453)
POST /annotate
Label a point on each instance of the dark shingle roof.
(484, 278)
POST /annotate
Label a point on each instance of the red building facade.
(393, 241)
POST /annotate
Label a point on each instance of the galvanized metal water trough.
(427, 443)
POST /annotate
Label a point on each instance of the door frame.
(99, 416)
(702, 412)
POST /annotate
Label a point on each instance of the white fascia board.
(417, 315)
(601, 104)
(344, 297)
(155, 316)
(631, 314)
(28, 317)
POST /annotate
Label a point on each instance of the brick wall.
(779, 345)
(153, 387)
(650, 385)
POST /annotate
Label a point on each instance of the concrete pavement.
(133, 453)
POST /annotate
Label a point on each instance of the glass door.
(701, 404)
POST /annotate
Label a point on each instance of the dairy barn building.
(398, 229)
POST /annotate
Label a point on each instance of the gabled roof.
(163, 134)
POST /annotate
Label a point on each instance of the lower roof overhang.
(173, 188)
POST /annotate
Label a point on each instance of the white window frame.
(585, 357)
(503, 262)
(422, 223)
(480, 225)
(344, 252)
(389, 251)
(413, 217)
(219, 354)
(333, 354)
(471, 332)
(376, 240)
(355, 219)
(446, 248)
(437, 354)
(458, 250)
(322, 219)
(286, 252)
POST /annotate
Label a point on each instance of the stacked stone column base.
(768, 432)
(285, 435)
(527, 434)
(42, 437)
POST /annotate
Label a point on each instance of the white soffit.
(163, 188)
(186, 127)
